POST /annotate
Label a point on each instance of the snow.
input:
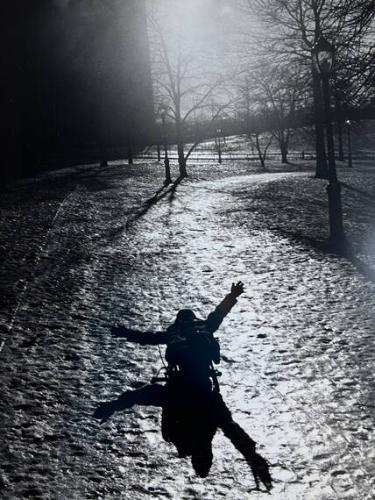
(298, 351)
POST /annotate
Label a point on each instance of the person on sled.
(192, 406)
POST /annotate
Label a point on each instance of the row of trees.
(263, 67)
(291, 30)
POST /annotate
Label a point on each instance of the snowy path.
(298, 355)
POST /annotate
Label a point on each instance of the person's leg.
(175, 421)
(203, 430)
(149, 395)
(188, 423)
(243, 442)
(240, 439)
(201, 458)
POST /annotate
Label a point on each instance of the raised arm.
(215, 319)
(143, 338)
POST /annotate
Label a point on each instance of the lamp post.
(323, 53)
(350, 156)
(218, 132)
(163, 115)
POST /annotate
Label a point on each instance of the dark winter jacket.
(191, 346)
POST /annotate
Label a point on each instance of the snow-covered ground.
(81, 250)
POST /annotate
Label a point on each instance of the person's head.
(185, 316)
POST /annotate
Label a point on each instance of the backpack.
(191, 345)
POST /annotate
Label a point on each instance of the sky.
(61, 3)
(208, 32)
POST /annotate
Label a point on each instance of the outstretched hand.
(237, 288)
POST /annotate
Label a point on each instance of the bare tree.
(261, 143)
(353, 83)
(184, 83)
(277, 92)
(291, 30)
(272, 94)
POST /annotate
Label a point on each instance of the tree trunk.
(339, 121)
(262, 157)
(284, 151)
(181, 160)
(340, 140)
(103, 157)
(282, 137)
(321, 171)
(130, 155)
(180, 151)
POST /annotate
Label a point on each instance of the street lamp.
(350, 156)
(163, 115)
(323, 53)
(218, 132)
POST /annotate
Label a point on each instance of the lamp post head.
(322, 55)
